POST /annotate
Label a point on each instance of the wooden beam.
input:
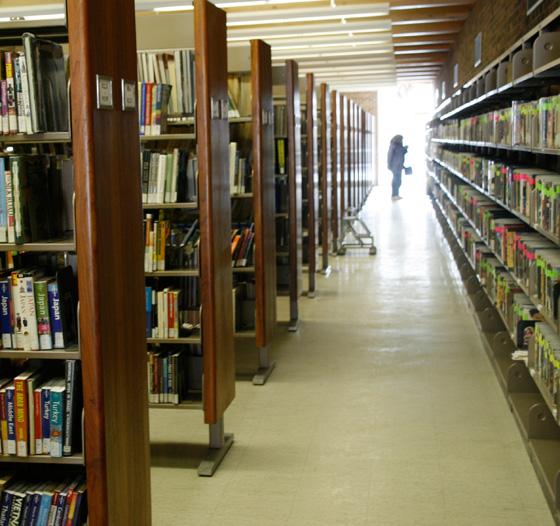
(415, 30)
(428, 16)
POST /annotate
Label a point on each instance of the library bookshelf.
(287, 135)
(493, 175)
(334, 149)
(258, 132)
(206, 345)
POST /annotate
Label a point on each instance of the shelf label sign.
(104, 86)
(128, 93)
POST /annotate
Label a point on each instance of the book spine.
(5, 315)
(20, 108)
(154, 110)
(171, 314)
(44, 508)
(3, 422)
(43, 318)
(156, 124)
(71, 400)
(143, 91)
(11, 93)
(46, 419)
(32, 83)
(148, 114)
(5, 116)
(38, 419)
(53, 508)
(57, 329)
(3, 204)
(57, 422)
(35, 508)
(25, 94)
(29, 314)
(6, 508)
(16, 509)
(10, 212)
(21, 417)
(60, 505)
(11, 420)
(148, 312)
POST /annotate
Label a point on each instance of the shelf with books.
(288, 163)
(193, 230)
(170, 206)
(174, 273)
(245, 195)
(335, 153)
(72, 353)
(253, 223)
(74, 460)
(530, 401)
(40, 246)
(168, 137)
(37, 138)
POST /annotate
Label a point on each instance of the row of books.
(280, 156)
(242, 246)
(169, 177)
(523, 319)
(172, 311)
(532, 192)
(36, 198)
(153, 107)
(167, 377)
(37, 309)
(239, 171)
(33, 88)
(239, 95)
(26, 501)
(40, 412)
(545, 360)
(515, 248)
(174, 69)
(280, 121)
(529, 124)
(170, 245)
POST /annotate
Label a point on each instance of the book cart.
(488, 152)
(288, 179)
(325, 177)
(255, 284)
(310, 183)
(200, 354)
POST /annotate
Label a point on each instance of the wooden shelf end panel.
(264, 192)
(215, 209)
(110, 255)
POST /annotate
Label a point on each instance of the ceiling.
(347, 43)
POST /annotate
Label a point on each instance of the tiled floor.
(383, 409)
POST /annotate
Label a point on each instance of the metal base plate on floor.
(311, 294)
(261, 376)
(326, 271)
(293, 325)
(214, 458)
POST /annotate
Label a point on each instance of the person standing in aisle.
(395, 163)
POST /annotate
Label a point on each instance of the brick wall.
(502, 23)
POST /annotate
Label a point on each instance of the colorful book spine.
(57, 421)
(5, 314)
(72, 388)
(57, 329)
(46, 418)
(29, 313)
(148, 311)
(3, 204)
(20, 107)
(10, 212)
(21, 416)
(43, 317)
(5, 116)
(3, 422)
(11, 92)
(25, 92)
(11, 419)
(38, 420)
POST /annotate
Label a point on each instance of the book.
(73, 405)
(58, 397)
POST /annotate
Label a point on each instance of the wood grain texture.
(110, 265)
(263, 192)
(349, 155)
(215, 209)
(312, 180)
(335, 147)
(326, 171)
(343, 161)
(293, 111)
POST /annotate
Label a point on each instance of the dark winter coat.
(395, 156)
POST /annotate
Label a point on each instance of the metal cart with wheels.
(355, 234)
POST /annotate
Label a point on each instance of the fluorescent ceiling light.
(348, 42)
(306, 14)
(248, 3)
(173, 8)
(33, 13)
(355, 74)
(296, 42)
(316, 54)
(355, 69)
(306, 30)
(312, 61)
